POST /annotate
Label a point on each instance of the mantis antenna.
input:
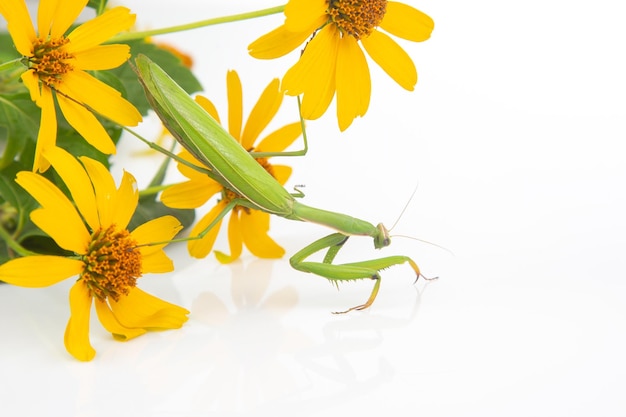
(411, 237)
(406, 205)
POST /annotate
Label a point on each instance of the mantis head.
(381, 239)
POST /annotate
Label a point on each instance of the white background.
(514, 140)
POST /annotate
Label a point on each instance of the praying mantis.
(233, 167)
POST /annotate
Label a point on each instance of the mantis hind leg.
(349, 271)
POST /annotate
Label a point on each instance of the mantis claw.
(426, 278)
(369, 300)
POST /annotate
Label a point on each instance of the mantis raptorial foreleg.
(346, 272)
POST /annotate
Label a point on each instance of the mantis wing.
(209, 142)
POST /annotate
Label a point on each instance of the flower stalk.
(14, 64)
(11, 243)
(125, 37)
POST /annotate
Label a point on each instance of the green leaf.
(15, 207)
(151, 209)
(11, 192)
(19, 121)
(98, 5)
(70, 140)
(166, 60)
(7, 49)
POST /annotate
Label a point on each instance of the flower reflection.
(246, 352)
(257, 353)
(350, 355)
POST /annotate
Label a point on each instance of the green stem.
(195, 25)
(13, 244)
(301, 152)
(153, 190)
(10, 65)
(164, 151)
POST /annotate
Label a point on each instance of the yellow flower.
(246, 226)
(58, 63)
(108, 258)
(333, 61)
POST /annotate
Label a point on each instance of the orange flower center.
(357, 18)
(112, 264)
(229, 195)
(50, 61)
(265, 164)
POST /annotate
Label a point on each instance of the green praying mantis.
(234, 168)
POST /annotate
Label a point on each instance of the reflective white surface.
(514, 137)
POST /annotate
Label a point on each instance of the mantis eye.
(382, 239)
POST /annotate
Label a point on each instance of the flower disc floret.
(49, 61)
(229, 195)
(112, 264)
(357, 18)
(265, 163)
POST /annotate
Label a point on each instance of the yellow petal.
(101, 57)
(19, 25)
(314, 74)
(67, 234)
(156, 263)
(254, 228)
(141, 310)
(262, 114)
(210, 108)
(86, 124)
(31, 81)
(407, 22)
(100, 29)
(77, 330)
(47, 135)
(78, 183)
(70, 233)
(305, 15)
(104, 189)
(235, 104)
(110, 323)
(277, 43)
(200, 248)
(161, 229)
(39, 270)
(235, 241)
(353, 82)
(45, 15)
(391, 58)
(280, 139)
(184, 58)
(64, 14)
(190, 194)
(189, 172)
(100, 97)
(125, 201)
(282, 173)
